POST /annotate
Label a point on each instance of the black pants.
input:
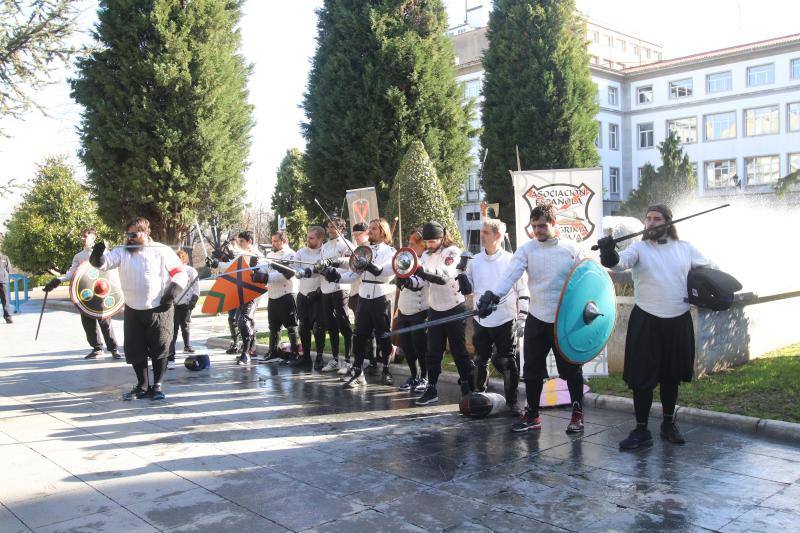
(539, 340)
(94, 328)
(282, 312)
(232, 326)
(373, 318)
(453, 333)
(352, 303)
(334, 312)
(501, 338)
(5, 297)
(246, 321)
(309, 313)
(181, 322)
(148, 333)
(414, 344)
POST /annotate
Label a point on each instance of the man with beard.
(309, 297)
(548, 260)
(373, 315)
(151, 276)
(361, 238)
(335, 253)
(93, 327)
(659, 346)
(437, 270)
(496, 333)
(282, 308)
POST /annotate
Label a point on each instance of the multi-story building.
(737, 111)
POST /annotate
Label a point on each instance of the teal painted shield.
(587, 312)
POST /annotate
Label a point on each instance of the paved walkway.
(269, 449)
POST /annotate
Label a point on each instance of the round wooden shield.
(96, 293)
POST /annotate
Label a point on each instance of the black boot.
(386, 377)
(300, 361)
(638, 438)
(319, 362)
(481, 377)
(234, 347)
(670, 432)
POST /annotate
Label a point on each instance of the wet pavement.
(268, 448)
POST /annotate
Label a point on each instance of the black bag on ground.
(711, 289)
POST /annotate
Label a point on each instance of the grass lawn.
(768, 387)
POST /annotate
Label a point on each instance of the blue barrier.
(15, 279)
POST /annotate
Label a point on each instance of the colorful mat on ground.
(555, 393)
(232, 290)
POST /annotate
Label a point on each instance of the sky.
(279, 40)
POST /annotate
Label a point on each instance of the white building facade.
(737, 111)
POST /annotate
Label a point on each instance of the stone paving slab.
(269, 448)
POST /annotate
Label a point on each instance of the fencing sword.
(660, 226)
(202, 240)
(41, 313)
(335, 227)
(433, 323)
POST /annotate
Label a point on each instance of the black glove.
(52, 284)
(304, 273)
(374, 269)
(331, 275)
(402, 283)
(253, 260)
(212, 262)
(288, 274)
(430, 277)
(464, 286)
(260, 277)
(487, 303)
(360, 264)
(96, 259)
(608, 252)
(193, 301)
(172, 291)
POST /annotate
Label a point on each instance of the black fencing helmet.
(197, 362)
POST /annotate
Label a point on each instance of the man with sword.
(151, 276)
(496, 336)
(548, 260)
(659, 346)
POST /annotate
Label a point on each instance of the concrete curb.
(763, 427)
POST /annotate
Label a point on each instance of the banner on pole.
(576, 195)
(281, 223)
(362, 205)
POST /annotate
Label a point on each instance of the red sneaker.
(576, 422)
(526, 423)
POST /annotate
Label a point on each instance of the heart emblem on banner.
(361, 210)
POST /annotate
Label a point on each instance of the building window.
(680, 88)
(646, 52)
(613, 180)
(685, 129)
(719, 82)
(474, 240)
(609, 41)
(761, 121)
(794, 162)
(621, 45)
(473, 215)
(598, 140)
(594, 60)
(636, 50)
(720, 174)
(613, 136)
(762, 169)
(473, 180)
(646, 135)
(720, 126)
(793, 116)
(644, 94)
(472, 88)
(760, 75)
(795, 69)
(613, 95)
(658, 56)
(596, 36)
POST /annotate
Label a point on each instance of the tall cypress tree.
(538, 94)
(383, 75)
(288, 199)
(165, 127)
